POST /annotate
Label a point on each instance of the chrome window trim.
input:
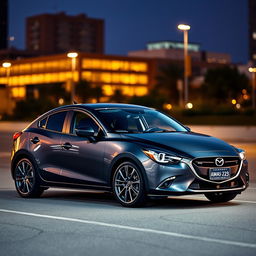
(189, 163)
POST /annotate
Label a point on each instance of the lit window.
(254, 35)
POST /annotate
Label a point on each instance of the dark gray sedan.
(133, 151)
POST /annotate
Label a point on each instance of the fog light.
(247, 177)
(166, 183)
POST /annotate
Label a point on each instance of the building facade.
(3, 24)
(132, 76)
(59, 33)
(173, 50)
(252, 30)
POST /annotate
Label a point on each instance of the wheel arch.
(130, 158)
(23, 153)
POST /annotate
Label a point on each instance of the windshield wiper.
(157, 130)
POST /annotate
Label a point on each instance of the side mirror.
(86, 131)
(188, 128)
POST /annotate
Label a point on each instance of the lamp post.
(185, 29)
(73, 56)
(7, 65)
(253, 71)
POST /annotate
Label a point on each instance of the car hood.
(185, 144)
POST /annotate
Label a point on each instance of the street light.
(73, 56)
(185, 28)
(253, 71)
(7, 65)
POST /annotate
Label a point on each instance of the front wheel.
(27, 181)
(220, 197)
(128, 185)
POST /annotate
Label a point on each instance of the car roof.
(96, 106)
(89, 107)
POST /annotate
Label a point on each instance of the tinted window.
(42, 123)
(55, 122)
(81, 120)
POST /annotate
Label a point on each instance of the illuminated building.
(173, 50)
(252, 30)
(59, 33)
(132, 76)
(3, 24)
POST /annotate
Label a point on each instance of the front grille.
(202, 165)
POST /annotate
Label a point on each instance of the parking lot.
(65, 222)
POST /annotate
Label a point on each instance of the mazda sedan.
(134, 151)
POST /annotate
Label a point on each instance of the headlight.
(161, 157)
(242, 155)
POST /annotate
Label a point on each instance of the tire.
(128, 185)
(220, 197)
(27, 181)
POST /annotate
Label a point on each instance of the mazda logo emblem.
(219, 161)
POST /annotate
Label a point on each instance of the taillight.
(16, 135)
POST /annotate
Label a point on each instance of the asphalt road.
(69, 222)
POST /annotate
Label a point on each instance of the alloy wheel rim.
(127, 184)
(24, 177)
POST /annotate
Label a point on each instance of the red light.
(16, 135)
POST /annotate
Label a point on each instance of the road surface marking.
(145, 230)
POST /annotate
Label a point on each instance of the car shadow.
(106, 198)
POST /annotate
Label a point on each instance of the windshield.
(138, 121)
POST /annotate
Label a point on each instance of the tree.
(85, 91)
(82, 90)
(167, 82)
(117, 96)
(223, 84)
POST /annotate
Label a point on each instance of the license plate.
(219, 173)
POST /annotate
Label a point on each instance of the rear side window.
(55, 122)
(42, 123)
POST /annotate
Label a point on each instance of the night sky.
(218, 25)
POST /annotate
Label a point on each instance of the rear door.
(46, 145)
(82, 161)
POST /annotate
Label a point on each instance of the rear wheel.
(220, 197)
(27, 181)
(128, 185)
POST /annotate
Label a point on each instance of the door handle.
(35, 140)
(67, 145)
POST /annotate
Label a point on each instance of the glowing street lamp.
(7, 65)
(253, 71)
(185, 28)
(73, 56)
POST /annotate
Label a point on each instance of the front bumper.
(182, 179)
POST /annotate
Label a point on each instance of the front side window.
(81, 121)
(138, 121)
(56, 121)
